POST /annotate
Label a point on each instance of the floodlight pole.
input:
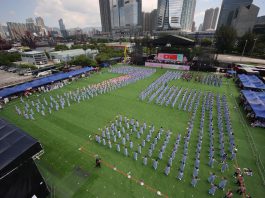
(255, 40)
(243, 50)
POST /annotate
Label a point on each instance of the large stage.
(168, 66)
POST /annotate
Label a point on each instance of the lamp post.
(243, 50)
(255, 40)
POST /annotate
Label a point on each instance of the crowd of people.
(163, 94)
(172, 62)
(210, 79)
(46, 105)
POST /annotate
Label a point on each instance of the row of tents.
(10, 91)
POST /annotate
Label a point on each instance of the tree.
(250, 38)
(83, 61)
(7, 58)
(61, 48)
(206, 42)
(225, 38)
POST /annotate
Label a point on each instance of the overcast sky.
(82, 13)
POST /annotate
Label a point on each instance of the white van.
(44, 73)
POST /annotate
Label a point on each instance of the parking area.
(9, 78)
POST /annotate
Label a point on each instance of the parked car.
(25, 72)
(44, 73)
(2, 67)
(12, 69)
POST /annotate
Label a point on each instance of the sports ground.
(68, 138)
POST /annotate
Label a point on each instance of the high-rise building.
(193, 29)
(104, 6)
(245, 18)
(228, 10)
(210, 19)
(187, 14)
(153, 18)
(40, 22)
(200, 28)
(62, 28)
(2, 33)
(16, 30)
(29, 20)
(146, 25)
(215, 17)
(169, 14)
(32, 27)
(126, 15)
(259, 27)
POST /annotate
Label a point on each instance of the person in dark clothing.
(98, 161)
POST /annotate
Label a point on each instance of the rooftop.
(32, 52)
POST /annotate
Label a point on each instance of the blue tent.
(251, 82)
(231, 72)
(42, 81)
(257, 102)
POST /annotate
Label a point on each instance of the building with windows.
(169, 14)
(32, 27)
(104, 6)
(40, 22)
(210, 19)
(126, 17)
(16, 30)
(228, 10)
(187, 15)
(68, 55)
(62, 28)
(259, 27)
(36, 58)
(245, 18)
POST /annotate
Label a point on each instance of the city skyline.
(83, 13)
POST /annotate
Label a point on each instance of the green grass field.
(68, 164)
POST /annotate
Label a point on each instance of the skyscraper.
(153, 18)
(245, 19)
(169, 14)
(40, 22)
(146, 25)
(187, 14)
(62, 28)
(215, 17)
(126, 15)
(16, 30)
(228, 10)
(210, 19)
(104, 6)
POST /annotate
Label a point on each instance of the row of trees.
(226, 41)
(7, 58)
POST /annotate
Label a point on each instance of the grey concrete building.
(215, 17)
(169, 14)
(259, 27)
(210, 19)
(187, 15)
(104, 6)
(62, 28)
(245, 18)
(228, 10)
(126, 16)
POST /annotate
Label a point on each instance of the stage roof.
(15, 147)
(174, 41)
